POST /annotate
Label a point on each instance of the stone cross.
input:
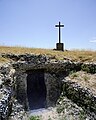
(59, 46)
(59, 31)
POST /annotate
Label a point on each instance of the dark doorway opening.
(36, 89)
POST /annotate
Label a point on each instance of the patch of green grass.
(49, 118)
(82, 115)
(85, 68)
(34, 118)
(74, 75)
(72, 71)
(86, 78)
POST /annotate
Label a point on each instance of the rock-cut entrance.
(36, 89)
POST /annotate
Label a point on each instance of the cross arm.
(59, 26)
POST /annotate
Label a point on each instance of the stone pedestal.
(60, 46)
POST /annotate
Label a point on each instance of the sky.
(31, 23)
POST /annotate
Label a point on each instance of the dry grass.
(75, 55)
(3, 60)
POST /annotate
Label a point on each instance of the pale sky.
(31, 23)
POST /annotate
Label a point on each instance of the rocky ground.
(84, 79)
(64, 110)
(18, 113)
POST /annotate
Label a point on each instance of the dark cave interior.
(36, 89)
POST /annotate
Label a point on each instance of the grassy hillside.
(75, 55)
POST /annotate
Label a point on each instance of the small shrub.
(85, 68)
(88, 69)
(93, 69)
(34, 118)
(74, 75)
(49, 118)
(86, 78)
(73, 71)
(60, 109)
(82, 115)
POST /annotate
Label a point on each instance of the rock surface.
(13, 75)
(64, 110)
(79, 95)
(18, 112)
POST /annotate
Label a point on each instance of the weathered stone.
(81, 96)
(53, 86)
(21, 88)
(13, 79)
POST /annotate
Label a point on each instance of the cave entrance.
(36, 89)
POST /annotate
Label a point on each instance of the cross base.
(60, 46)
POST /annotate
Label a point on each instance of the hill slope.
(74, 55)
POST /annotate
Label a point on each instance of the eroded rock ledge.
(13, 80)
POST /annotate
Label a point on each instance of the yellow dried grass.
(75, 55)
